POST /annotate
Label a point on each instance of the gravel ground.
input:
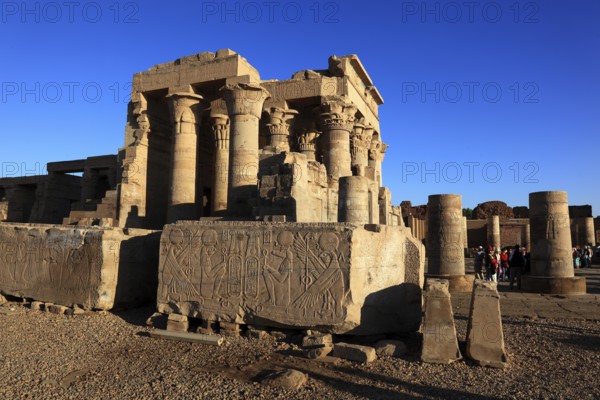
(111, 356)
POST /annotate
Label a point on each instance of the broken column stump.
(440, 344)
(485, 339)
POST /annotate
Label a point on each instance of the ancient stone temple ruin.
(268, 194)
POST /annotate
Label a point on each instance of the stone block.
(257, 333)
(3, 300)
(36, 305)
(316, 353)
(337, 278)
(440, 344)
(229, 329)
(392, 348)
(485, 338)
(354, 352)
(317, 340)
(56, 309)
(177, 323)
(288, 379)
(97, 268)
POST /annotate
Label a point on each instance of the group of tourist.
(582, 257)
(505, 265)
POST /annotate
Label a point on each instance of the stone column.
(527, 239)
(220, 130)
(360, 143)
(582, 231)
(465, 236)
(279, 129)
(337, 120)
(376, 156)
(353, 205)
(493, 231)
(307, 143)
(551, 260)
(244, 106)
(445, 254)
(185, 116)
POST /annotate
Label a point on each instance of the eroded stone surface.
(440, 344)
(485, 337)
(289, 379)
(354, 352)
(335, 278)
(93, 268)
(393, 348)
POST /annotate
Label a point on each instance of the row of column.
(347, 143)
(551, 259)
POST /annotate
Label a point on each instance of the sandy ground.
(111, 356)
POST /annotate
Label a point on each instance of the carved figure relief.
(279, 272)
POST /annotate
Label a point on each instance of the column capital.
(377, 150)
(361, 135)
(245, 99)
(337, 113)
(280, 120)
(307, 139)
(220, 128)
(185, 107)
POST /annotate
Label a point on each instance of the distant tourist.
(504, 266)
(576, 259)
(479, 259)
(517, 265)
(491, 265)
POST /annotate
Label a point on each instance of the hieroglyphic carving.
(49, 266)
(299, 275)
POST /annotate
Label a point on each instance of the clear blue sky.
(471, 89)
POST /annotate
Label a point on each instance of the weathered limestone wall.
(339, 278)
(92, 268)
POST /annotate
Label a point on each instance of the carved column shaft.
(445, 252)
(360, 141)
(376, 156)
(550, 235)
(337, 120)
(493, 231)
(244, 106)
(185, 115)
(220, 130)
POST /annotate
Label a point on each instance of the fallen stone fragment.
(56, 309)
(392, 348)
(37, 306)
(485, 338)
(318, 352)
(3, 300)
(440, 344)
(318, 340)
(229, 329)
(212, 340)
(177, 323)
(257, 333)
(288, 378)
(354, 352)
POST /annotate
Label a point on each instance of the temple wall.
(93, 268)
(339, 278)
